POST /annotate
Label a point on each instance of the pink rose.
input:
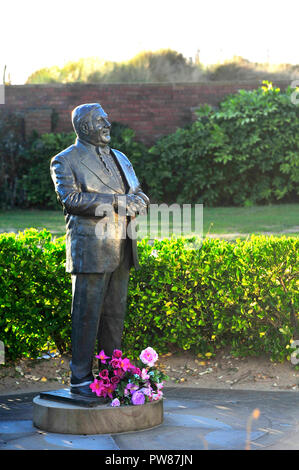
(115, 363)
(144, 374)
(136, 370)
(116, 354)
(148, 356)
(158, 395)
(115, 380)
(105, 381)
(104, 374)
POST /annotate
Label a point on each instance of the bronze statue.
(92, 181)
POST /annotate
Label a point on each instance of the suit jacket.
(83, 186)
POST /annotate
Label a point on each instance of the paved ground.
(194, 419)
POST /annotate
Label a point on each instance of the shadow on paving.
(194, 419)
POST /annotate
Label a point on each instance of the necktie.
(111, 166)
(103, 159)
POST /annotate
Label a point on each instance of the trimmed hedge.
(34, 293)
(243, 295)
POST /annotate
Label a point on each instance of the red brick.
(150, 109)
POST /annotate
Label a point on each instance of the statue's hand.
(135, 205)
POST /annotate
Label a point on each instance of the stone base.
(66, 418)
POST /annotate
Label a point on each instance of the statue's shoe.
(86, 392)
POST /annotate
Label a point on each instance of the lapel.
(127, 169)
(91, 160)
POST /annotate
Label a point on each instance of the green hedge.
(34, 293)
(243, 295)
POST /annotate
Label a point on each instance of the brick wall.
(152, 110)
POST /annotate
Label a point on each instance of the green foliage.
(181, 167)
(259, 151)
(244, 153)
(123, 139)
(242, 295)
(161, 66)
(34, 293)
(164, 65)
(71, 72)
(25, 175)
(12, 164)
(238, 68)
(36, 182)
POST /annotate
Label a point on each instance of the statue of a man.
(92, 181)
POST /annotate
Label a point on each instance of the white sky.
(36, 34)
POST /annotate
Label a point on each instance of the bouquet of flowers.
(127, 384)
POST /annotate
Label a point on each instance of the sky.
(36, 34)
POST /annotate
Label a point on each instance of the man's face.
(99, 128)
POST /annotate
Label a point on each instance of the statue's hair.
(82, 113)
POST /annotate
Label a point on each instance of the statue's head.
(91, 124)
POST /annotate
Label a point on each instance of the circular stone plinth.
(103, 419)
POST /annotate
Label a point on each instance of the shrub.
(25, 165)
(12, 163)
(34, 293)
(181, 167)
(160, 66)
(36, 182)
(259, 152)
(242, 295)
(244, 153)
(123, 138)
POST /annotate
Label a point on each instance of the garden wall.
(152, 110)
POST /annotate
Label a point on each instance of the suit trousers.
(98, 313)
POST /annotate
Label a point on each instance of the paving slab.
(194, 419)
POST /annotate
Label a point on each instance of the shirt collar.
(92, 147)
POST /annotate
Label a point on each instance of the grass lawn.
(230, 222)
(258, 219)
(19, 220)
